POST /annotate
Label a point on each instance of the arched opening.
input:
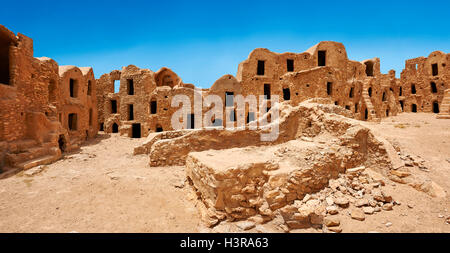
(62, 143)
(321, 58)
(260, 68)
(130, 86)
(366, 114)
(434, 69)
(73, 86)
(356, 107)
(159, 128)
(435, 107)
(369, 68)
(402, 104)
(351, 92)
(387, 112)
(400, 91)
(115, 128)
(383, 98)
(370, 91)
(286, 94)
(290, 65)
(433, 87)
(413, 108)
(102, 127)
(89, 88)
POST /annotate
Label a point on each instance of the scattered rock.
(332, 210)
(331, 221)
(388, 224)
(342, 202)
(387, 207)
(358, 214)
(335, 229)
(368, 210)
(245, 225)
(361, 202)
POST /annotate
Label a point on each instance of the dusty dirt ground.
(104, 188)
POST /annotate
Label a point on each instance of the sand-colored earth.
(104, 188)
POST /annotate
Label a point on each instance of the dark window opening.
(290, 65)
(159, 128)
(413, 89)
(153, 107)
(370, 91)
(130, 86)
(229, 98)
(62, 143)
(369, 68)
(400, 91)
(435, 107)
(115, 128)
(190, 121)
(113, 106)
(366, 114)
(267, 91)
(90, 117)
(329, 88)
(434, 69)
(356, 108)
(321, 58)
(433, 87)
(260, 70)
(72, 121)
(351, 92)
(347, 107)
(102, 127)
(130, 112)
(336, 102)
(414, 108)
(402, 104)
(4, 60)
(73, 88)
(286, 94)
(250, 117)
(89, 88)
(387, 112)
(136, 130)
(383, 98)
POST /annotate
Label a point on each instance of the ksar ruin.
(354, 146)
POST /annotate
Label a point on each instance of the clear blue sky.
(203, 40)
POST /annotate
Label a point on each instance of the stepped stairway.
(444, 110)
(27, 154)
(367, 100)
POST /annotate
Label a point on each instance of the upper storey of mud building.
(265, 64)
(437, 64)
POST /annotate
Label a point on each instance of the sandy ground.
(103, 188)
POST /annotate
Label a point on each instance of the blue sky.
(203, 40)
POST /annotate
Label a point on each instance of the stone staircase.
(370, 108)
(26, 154)
(444, 112)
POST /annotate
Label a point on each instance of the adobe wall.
(33, 98)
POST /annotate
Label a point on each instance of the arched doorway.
(115, 128)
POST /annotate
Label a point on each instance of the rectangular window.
(321, 58)
(329, 88)
(130, 112)
(4, 60)
(130, 86)
(267, 91)
(260, 70)
(90, 117)
(72, 121)
(113, 106)
(286, 94)
(153, 107)
(73, 88)
(434, 69)
(290, 65)
(89, 90)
